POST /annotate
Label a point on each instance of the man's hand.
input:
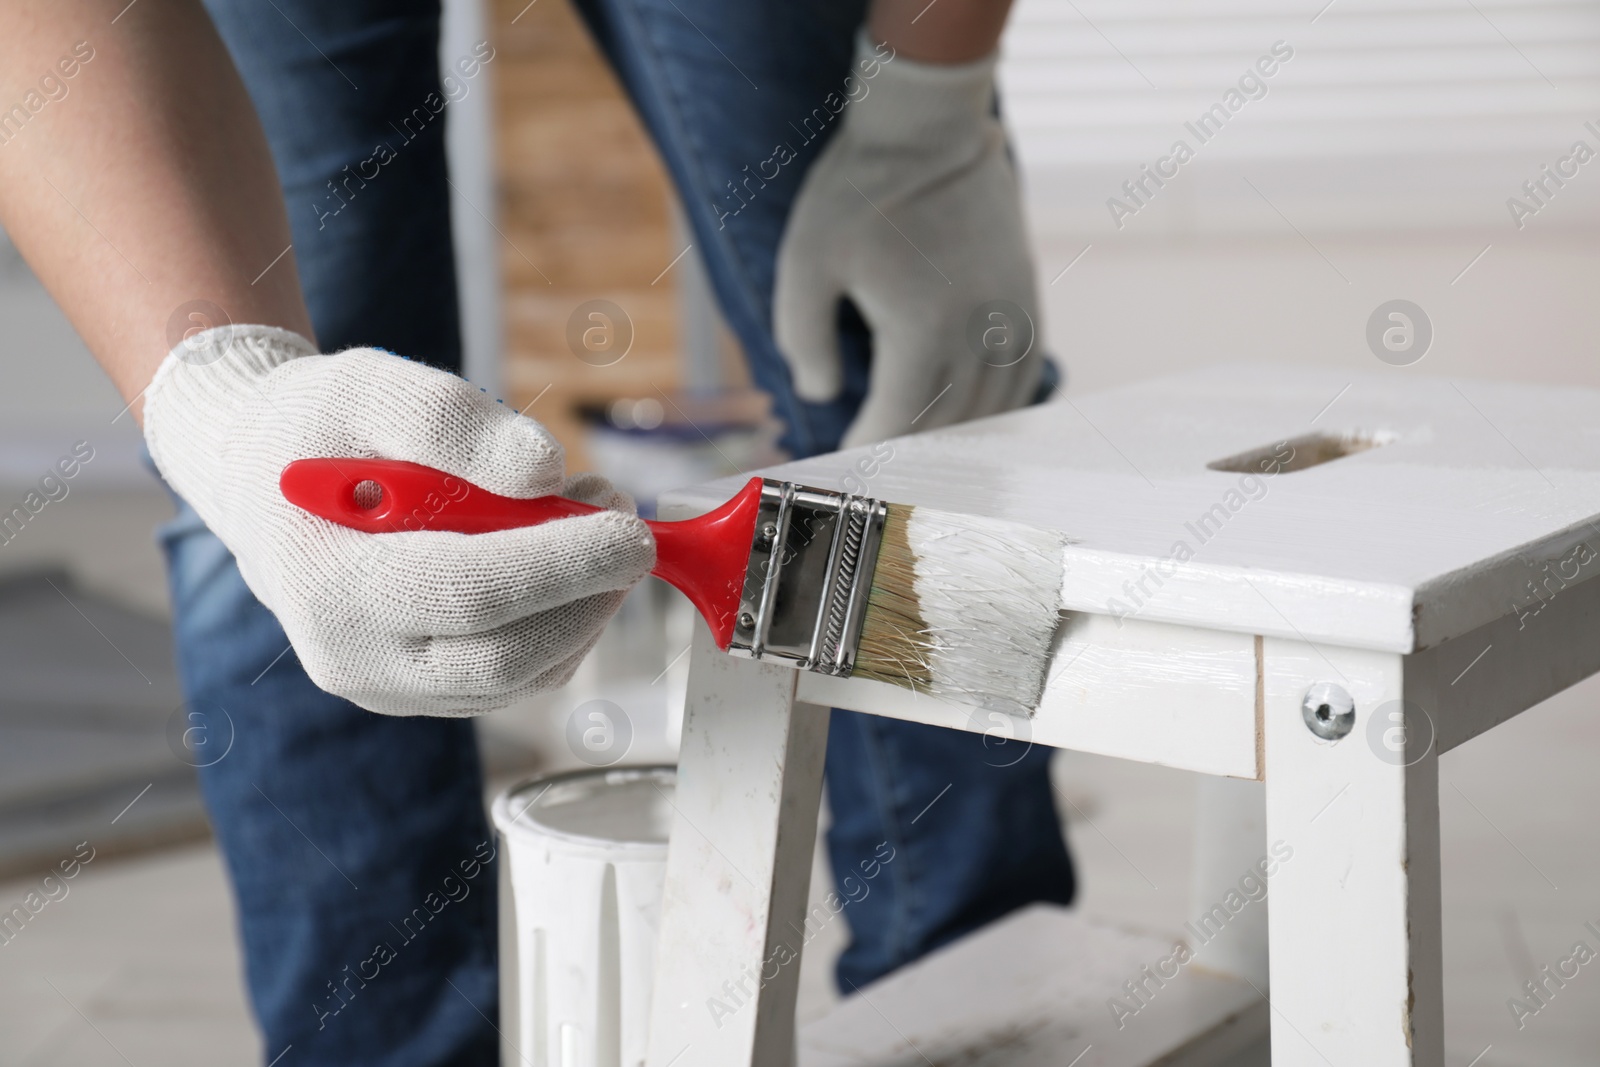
(912, 213)
(406, 623)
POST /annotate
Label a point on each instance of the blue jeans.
(339, 827)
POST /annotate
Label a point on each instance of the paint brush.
(959, 607)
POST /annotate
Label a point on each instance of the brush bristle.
(963, 608)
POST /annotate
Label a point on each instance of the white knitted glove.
(912, 212)
(412, 623)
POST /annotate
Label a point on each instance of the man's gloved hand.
(912, 212)
(424, 622)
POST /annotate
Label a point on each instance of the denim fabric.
(342, 831)
(720, 85)
(345, 831)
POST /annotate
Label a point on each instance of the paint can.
(583, 858)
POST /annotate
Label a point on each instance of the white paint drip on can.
(583, 861)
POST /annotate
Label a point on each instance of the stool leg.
(738, 867)
(1354, 928)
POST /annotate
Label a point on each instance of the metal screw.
(1329, 711)
(746, 620)
(769, 531)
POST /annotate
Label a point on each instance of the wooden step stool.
(1314, 580)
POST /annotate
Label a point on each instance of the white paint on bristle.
(990, 593)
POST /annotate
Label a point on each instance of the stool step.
(1035, 990)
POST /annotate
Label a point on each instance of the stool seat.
(1432, 523)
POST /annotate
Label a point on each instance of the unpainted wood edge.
(1261, 710)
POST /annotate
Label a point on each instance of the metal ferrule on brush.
(809, 576)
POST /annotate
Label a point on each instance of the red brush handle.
(704, 557)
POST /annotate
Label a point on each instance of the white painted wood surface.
(1152, 692)
(1396, 548)
(1035, 990)
(1459, 548)
(738, 866)
(1354, 926)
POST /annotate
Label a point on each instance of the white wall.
(1377, 166)
(1134, 309)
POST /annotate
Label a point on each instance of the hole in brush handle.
(367, 494)
(411, 497)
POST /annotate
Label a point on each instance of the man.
(848, 184)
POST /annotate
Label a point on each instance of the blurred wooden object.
(585, 209)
